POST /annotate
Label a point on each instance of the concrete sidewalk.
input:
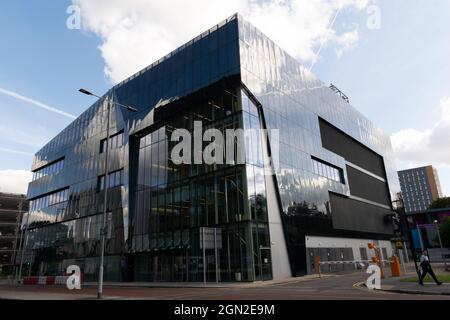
(395, 285)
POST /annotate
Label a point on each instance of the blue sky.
(398, 75)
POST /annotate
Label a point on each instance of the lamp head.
(86, 92)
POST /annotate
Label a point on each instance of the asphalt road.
(329, 288)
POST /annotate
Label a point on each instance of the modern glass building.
(329, 196)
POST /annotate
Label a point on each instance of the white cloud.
(431, 146)
(136, 33)
(14, 181)
(346, 41)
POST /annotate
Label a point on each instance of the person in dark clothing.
(426, 268)
(124, 268)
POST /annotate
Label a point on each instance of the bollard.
(318, 266)
(395, 266)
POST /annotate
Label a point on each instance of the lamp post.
(440, 243)
(23, 243)
(405, 220)
(105, 187)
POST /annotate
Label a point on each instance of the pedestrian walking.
(426, 268)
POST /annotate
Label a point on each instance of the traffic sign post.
(211, 238)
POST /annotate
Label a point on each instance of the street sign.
(211, 238)
(399, 245)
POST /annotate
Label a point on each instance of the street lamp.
(105, 189)
(86, 92)
(405, 220)
(23, 243)
(440, 243)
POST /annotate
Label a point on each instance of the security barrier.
(357, 264)
(49, 280)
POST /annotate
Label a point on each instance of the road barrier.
(358, 264)
(48, 280)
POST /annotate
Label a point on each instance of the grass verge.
(441, 277)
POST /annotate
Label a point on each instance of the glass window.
(327, 171)
(337, 175)
(147, 166)
(101, 183)
(154, 136)
(148, 140)
(321, 169)
(162, 163)
(154, 165)
(113, 142)
(120, 178)
(141, 168)
(111, 180)
(161, 133)
(120, 140)
(102, 145)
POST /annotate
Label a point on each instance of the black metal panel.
(353, 151)
(349, 214)
(366, 187)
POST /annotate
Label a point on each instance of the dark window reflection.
(115, 179)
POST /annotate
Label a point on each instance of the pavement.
(395, 285)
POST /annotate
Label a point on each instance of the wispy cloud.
(23, 153)
(322, 42)
(35, 103)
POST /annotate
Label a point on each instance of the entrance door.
(266, 263)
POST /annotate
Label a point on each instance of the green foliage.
(440, 203)
(444, 229)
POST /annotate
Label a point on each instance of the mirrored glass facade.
(216, 222)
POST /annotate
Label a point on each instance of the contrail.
(36, 103)
(323, 41)
(23, 153)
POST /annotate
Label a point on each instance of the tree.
(440, 203)
(444, 229)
